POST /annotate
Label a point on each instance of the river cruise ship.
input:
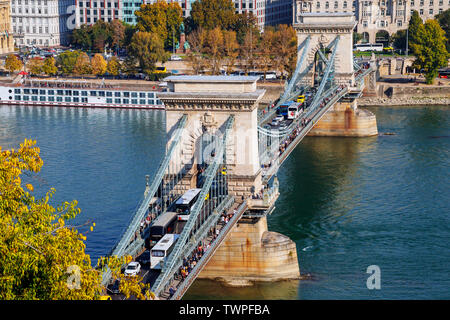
(65, 93)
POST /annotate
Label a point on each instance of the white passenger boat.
(65, 93)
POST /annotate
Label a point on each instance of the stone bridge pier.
(249, 252)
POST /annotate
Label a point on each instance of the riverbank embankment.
(401, 92)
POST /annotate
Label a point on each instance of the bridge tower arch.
(321, 30)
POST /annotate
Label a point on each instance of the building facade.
(376, 17)
(267, 12)
(41, 22)
(90, 11)
(6, 36)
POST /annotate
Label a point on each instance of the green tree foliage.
(82, 37)
(285, 49)
(444, 21)
(49, 66)
(66, 61)
(146, 48)
(215, 49)
(245, 23)
(209, 14)
(195, 58)
(101, 35)
(415, 23)
(429, 49)
(162, 19)
(12, 63)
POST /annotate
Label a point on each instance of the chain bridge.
(221, 141)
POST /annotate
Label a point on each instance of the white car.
(132, 269)
(274, 122)
(175, 58)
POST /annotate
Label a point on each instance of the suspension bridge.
(220, 141)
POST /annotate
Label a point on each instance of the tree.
(118, 32)
(230, 49)
(399, 40)
(113, 66)
(357, 37)
(209, 14)
(248, 51)
(147, 48)
(285, 49)
(49, 66)
(444, 21)
(214, 49)
(12, 63)
(67, 60)
(43, 255)
(429, 49)
(82, 37)
(265, 51)
(162, 19)
(82, 65)
(245, 23)
(415, 23)
(98, 64)
(34, 65)
(101, 35)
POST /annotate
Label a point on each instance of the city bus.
(283, 109)
(368, 47)
(184, 204)
(162, 225)
(161, 250)
(290, 109)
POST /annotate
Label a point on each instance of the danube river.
(347, 203)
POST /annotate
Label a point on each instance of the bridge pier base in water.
(252, 253)
(344, 119)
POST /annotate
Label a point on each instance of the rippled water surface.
(347, 203)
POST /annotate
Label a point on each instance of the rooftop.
(201, 78)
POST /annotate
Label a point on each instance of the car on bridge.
(114, 287)
(279, 118)
(133, 268)
(274, 122)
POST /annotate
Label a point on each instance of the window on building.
(399, 23)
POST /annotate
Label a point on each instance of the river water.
(347, 203)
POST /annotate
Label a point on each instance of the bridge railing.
(127, 239)
(182, 288)
(192, 225)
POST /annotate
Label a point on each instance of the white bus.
(184, 204)
(161, 250)
(294, 110)
(368, 47)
